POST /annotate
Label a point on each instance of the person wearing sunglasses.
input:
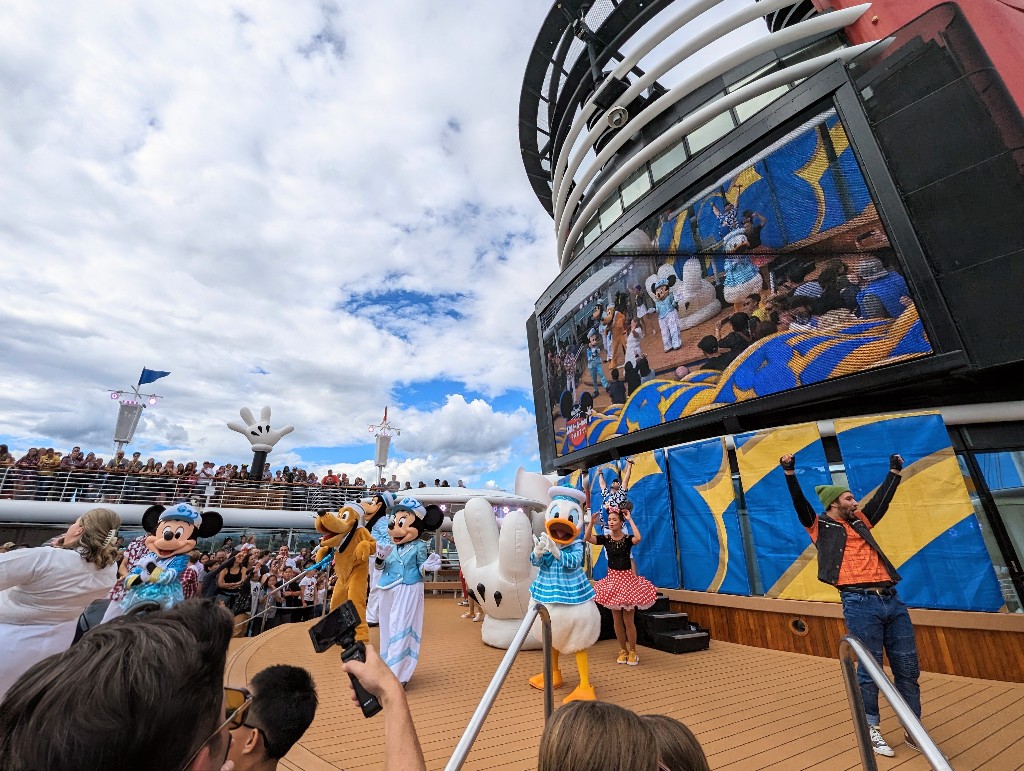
(135, 694)
(282, 706)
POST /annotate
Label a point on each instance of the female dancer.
(621, 591)
(44, 590)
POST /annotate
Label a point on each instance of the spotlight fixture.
(115, 395)
(152, 400)
(617, 117)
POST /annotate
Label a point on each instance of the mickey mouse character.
(403, 564)
(174, 532)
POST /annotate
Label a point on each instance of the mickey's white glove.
(431, 564)
(260, 435)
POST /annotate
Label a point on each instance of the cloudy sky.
(317, 206)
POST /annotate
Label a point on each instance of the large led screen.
(777, 276)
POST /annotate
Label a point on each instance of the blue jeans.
(883, 623)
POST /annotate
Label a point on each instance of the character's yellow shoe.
(582, 693)
(632, 659)
(623, 655)
(537, 681)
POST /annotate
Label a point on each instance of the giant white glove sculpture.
(497, 568)
(260, 435)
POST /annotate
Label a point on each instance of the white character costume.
(562, 586)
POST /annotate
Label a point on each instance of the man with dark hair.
(709, 346)
(136, 694)
(283, 705)
(851, 560)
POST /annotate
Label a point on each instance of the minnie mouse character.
(403, 564)
(174, 532)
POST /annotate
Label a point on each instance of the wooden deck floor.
(750, 708)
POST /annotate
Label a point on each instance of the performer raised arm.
(851, 560)
(622, 591)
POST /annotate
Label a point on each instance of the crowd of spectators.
(44, 474)
(845, 290)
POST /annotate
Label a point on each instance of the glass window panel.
(751, 106)
(610, 210)
(591, 231)
(752, 76)
(670, 160)
(634, 187)
(714, 129)
(1004, 477)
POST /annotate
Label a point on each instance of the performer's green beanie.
(829, 493)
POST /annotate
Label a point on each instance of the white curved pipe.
(645, 47)
(697, 44)
(830, 22)
(697, 119)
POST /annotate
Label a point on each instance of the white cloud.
(206, 188)
(202, 188)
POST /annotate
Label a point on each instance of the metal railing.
(852, 651)
(264, 596)
(104, 486)
(476, 722)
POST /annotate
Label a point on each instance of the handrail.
(266, 595)
(476, 722)
(851, 651)
(119, 487)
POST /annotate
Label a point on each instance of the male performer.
(850, 559)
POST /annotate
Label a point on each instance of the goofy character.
(376, 521)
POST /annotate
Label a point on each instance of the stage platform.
(750, 708)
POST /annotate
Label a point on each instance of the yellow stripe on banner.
(719, 495)
(759, 455)
(677, 232)
(644, 465)
(931, 499)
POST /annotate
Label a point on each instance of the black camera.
(339, 628)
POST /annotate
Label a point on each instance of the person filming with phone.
(851, 560)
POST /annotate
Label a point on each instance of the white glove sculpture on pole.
(261, 436)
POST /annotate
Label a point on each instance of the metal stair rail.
(853, 651)
(476, 722)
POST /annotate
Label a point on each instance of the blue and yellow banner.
(786, 559)
(707, 526)
(930, 532)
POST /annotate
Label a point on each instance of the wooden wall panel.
(984, 653)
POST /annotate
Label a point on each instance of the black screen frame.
(832, 88)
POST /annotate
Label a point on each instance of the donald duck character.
(562, 586)
(403, 564)
(174, 532)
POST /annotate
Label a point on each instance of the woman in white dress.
(44, 590)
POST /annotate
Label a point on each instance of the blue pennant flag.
(151, 375)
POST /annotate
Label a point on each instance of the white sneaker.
(878, 742)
